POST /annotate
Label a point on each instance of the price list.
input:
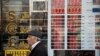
(57, 26)
(74, 31)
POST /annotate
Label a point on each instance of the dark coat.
(39, 50)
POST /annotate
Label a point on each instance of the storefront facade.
(69, 27)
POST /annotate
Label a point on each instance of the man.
(33, 39)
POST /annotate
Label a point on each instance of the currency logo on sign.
(11, 28)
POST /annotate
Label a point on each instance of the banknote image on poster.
(38, 22)
(42, 23)
(39, 5)
(74, 52)
(74, 32)
(39, 15)
(39, 18)
(24, 22)
(57, 32)
(97, 33)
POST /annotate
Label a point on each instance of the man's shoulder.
(41, 45)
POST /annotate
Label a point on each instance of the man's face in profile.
(31, 39)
